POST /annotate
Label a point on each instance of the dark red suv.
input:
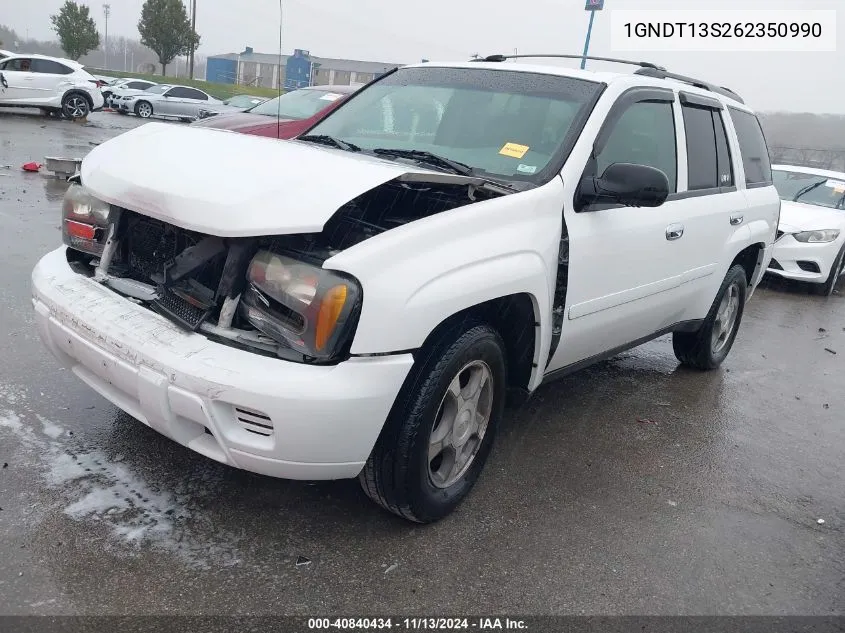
(286, 116)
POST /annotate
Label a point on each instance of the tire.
(413, 471)
(826, 289)
(144, 109)
(75, 106)
(709, 346)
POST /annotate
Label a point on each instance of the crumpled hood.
(232, 185)
(796, 217)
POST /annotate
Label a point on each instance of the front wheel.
(709, 346)
(826, 289)
(144, 109)
(438, 435)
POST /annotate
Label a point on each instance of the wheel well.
(81, 93)
(513, 317)
(749, 259)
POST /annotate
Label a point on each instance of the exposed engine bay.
(213, 285)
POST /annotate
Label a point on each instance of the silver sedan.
(168, 101)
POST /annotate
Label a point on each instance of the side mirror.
(627, 184)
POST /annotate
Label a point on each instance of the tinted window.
(190, 93)
(752, 146)
(643, 135)
(48, 66)
(19, 64)
(179, 93)
(137, 85)
(702, 161)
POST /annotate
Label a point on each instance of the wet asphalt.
(634, 487)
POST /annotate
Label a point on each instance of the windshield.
(820, 191)
(502, 123)
(157, 90)
(243, 101)
(298, 104)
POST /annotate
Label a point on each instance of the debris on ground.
(826, 405)
(820, 521)
(301, 561)
(391, 568)
(822, 330)
(827, 349)
(33, 166)
(5, 464)
(646, 421)
(797, 397)
(674, 504)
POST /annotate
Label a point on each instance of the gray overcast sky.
(405, 32)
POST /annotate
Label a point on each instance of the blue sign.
(594, 5)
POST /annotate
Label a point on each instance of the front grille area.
(151, 244)
(809, 267)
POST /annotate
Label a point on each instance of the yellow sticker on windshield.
(514, 150)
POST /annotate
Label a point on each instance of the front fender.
(416, 276)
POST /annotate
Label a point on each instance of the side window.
(643, 135)
(195, 94)
(752, 146)
(178, 93)
(137, 85)
(702, 157)
(20, 65)
(49, 67)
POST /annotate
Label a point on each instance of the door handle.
(736, 219)
(674, 231)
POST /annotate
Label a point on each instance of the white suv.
(49, 83)
(358, 302)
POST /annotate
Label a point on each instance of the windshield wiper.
(805, 190)
(426, 157)
(325, 139)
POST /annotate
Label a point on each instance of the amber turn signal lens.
(330, 309)
(81, 230)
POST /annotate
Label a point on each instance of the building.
(290, 71)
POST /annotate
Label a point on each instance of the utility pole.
(592, 6)
(193, 33)
(106, 12)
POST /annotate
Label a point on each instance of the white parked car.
(5, 54)
(358, 302)
(125, 87)
(50, 83)
(810, 242)
(166, 101)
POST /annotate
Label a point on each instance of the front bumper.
(788, 252)
(315, 422)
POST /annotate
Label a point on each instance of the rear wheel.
(826, 289)
(709, 346)
(440, 431)
(75, 106)
(144, 109)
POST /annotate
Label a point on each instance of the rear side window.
(708, 153)
(49, 67)
(643, 135)
(752, 146)
(190, 93)
(138, 85)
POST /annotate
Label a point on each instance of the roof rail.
(501, 58)
(662, 73)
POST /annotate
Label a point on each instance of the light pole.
(592, 6)
(106, 12)
(193, 32)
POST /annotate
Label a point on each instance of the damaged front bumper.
(249, 411)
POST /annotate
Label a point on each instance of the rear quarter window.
(753, 148)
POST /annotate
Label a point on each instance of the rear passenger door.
(189, 102)
(709, 204)
(50, 78)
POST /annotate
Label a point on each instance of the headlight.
(825, 235)
(84, 220)
(308, 308)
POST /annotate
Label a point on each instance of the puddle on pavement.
(96, 489)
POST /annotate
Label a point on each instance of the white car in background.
(171, 102)
(50, 83)
(810, 242)
(5, 54)
(125, 88)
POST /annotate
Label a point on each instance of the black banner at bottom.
(526, 624)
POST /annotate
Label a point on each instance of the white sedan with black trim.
(810, 244)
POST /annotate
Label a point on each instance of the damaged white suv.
(358, 302)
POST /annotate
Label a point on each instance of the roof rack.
(501, 58)
(662, 73)
(647, 69)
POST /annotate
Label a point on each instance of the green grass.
(220, 91)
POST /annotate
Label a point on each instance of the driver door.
(18, 82)
(626, 263)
